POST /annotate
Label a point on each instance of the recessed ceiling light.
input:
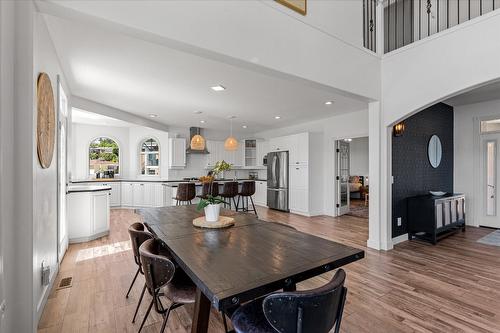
(198, 112)
(152, 115)
(244, 126)
(329, 103)
(202, 121)
(218, 88)
(277, 117)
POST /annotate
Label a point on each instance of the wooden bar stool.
(206, 189)
(186, 192)
(230, 191)
(247, 191)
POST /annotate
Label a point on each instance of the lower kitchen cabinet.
(260, 196)
(299, 201)
(127, 194)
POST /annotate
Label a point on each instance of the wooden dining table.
(248, 260)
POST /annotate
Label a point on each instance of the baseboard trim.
(400, 239)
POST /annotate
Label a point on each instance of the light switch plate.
(3, 307)
(399, 222)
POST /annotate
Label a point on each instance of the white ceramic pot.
(212, 213)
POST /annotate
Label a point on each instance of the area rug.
(358, 211)
(491, 238)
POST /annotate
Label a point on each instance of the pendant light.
(197, 141)
(231, 143)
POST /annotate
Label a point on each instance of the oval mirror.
(435, 151)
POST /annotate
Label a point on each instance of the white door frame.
(62, 244)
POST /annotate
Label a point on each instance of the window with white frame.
(150, 157)
(104, 158)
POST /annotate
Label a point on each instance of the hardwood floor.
(451, 287)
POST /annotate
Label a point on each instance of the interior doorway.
(490, 171)
(62, 171)
(352, 177)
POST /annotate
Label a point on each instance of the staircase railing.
(407, 21)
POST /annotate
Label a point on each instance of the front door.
(490, 171)
(342, 178)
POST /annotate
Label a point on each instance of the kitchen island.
(88, 212)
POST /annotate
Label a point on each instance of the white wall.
(465, 177)
(45, 242)
(359, 156)
(326, 131)
(259, 35)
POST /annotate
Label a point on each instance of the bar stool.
(185, 193)
(206, 189)
(230, 191)
(247, 190)
(137, 236)
(164, 280)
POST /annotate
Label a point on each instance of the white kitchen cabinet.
(127, 193)
(100, 211)
(167, 196)
(115, 197)
(157, 194)
(280, 143)
(299, 176)
(301, 149)
(260, 196)
(177, 153)
(262, 150)
(139, 194)
(299, 201)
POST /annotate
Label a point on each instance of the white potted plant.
(211, 204)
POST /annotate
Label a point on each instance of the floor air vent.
(65, 283)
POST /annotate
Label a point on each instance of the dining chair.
(205, 190)
(186, 192)
(317, 310)
(137, 236)
(229, 191)
(247, 191)
(164, 280)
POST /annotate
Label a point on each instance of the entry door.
(490, 172)
(62, 171)
(343, 171)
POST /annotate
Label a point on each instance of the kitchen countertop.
(87, 188)
(113, 180)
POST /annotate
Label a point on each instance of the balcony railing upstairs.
(407, 21)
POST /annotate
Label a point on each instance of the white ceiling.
(145, 78)
(483, 94)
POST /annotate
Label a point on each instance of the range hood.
(192, 132)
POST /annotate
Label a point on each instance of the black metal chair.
(247, 191)
(137, 236)
(186, 192)
(229, 191)
(317, 310)
(205, 190)
(164, 280)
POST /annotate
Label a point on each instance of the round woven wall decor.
(46, 120)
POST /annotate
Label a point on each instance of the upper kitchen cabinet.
(250, 149)
(177, 153)
(262, 150)
(297, 146)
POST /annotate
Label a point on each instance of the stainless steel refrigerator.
(277, 180)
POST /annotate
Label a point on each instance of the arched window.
(104, 157)
(150, 157)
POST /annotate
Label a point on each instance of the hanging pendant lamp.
(198, 142)
(231, 144)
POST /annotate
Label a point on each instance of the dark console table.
(432, 218)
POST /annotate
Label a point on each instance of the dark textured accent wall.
(412, 172)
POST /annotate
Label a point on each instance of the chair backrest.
(248, 188)
(186, 191)
(230, 189)
(206, 189)
(158, 268)
(138, 236)
(314, 310)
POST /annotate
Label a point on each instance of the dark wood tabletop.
(251, 259)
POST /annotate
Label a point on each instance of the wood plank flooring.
(417, 287)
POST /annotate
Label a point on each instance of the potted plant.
(211, 204)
